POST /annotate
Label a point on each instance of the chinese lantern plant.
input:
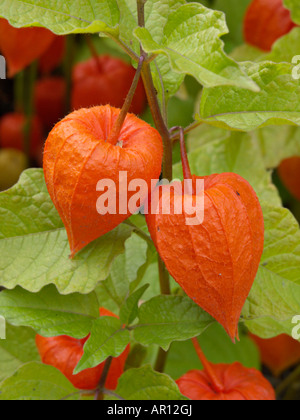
(265, 22)
(123, 143)
(224, 382)
(65, 226)
(205, 256)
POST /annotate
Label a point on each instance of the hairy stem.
(114, 135)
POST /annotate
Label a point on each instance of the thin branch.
(138, 231)
(191, 127)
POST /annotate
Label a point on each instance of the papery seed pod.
(216, 260)
(79, 153)
(225, 383)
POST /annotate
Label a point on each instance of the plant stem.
(288, 381)
(68, 66)
(139, 232)
(29, 79)
(161, 360)
(124, 47)
(154, 105)
(114, 135)
(191, 127)
(99, 393)
(159, 122)
(215, 382)
(164, 277)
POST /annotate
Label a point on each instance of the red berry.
(105, 81)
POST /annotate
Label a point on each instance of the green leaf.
(217, 347)
(146, 384)
(18, 348)
(63, 17)
(126, 272)
(34, 247)
(108, 338)
(129, 310)
(37, 382)
(235, 11)
(285, 48)
(275, 297)
(49, 313)
(165, 319)
(156, 15)
(293, 5)
(277, 144)
(191, 41)
(277, 103)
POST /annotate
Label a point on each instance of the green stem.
(99, 393)
(68, 68)
(191, 127)
(164, 277)
(161, 361)
(139, 232)
(124, 47)
(114, 135)
(93, 51)
(19, 92)
(30, 75)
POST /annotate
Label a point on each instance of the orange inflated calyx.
(224, 382)
(289, 172)
(64, 353)
(215, 261)
(265, 22)
(22, 46)
(78, 154)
